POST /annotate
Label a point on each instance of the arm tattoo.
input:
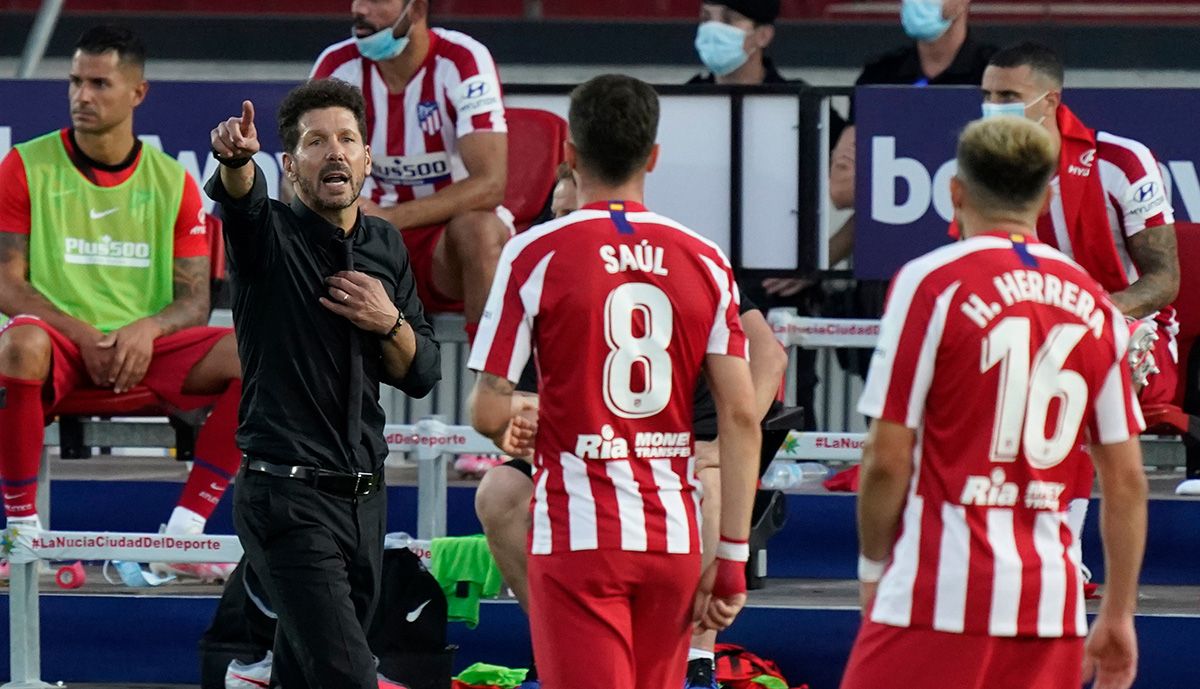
(17, 295)
(14, 252)
(1154, 253)
(190, 307)
(496, 384)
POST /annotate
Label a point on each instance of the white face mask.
(1015, 109)
(383, 44)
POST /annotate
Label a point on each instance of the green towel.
(464, 568)
(484, 675)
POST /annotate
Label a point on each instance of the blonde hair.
(1005, 163)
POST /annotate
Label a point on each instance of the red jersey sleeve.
(14, 195)
(474, 98)
(504, 340)
(726, 336)
(191, 232)
(902, 366)
(1116, 414)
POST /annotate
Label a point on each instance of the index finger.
(247, 116)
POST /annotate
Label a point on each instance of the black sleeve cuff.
(245, 205)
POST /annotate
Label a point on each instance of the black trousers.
(320, 558)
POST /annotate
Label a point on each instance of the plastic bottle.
(787, 475)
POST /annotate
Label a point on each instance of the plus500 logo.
(903, 189)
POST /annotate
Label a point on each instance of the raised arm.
(235, 141)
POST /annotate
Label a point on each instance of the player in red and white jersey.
(621, 309)
(438, 137)
(998, 355)
(1108, 209)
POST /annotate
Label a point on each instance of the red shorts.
(603, 619)
(884, 656)
(420, 242)
(174, 357)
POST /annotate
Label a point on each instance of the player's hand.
(1110, 655)
(786, 287)
(708, 455)
(96, 359)
(518, 437)
(728, 586)
(392, 214)
(236, 138)
(866, 595)
(132, 347)
(362, 300)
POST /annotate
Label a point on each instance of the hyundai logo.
(1146, 191)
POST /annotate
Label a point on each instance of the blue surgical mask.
(1016, 109)
(722, 47)
(922, 19)
(132, 575)
(383, 44)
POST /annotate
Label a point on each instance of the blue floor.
(122, 639)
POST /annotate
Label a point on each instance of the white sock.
(185, 521)
(695, 653)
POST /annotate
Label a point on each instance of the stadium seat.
(78, 409)
(535, 139)
(1178, 418)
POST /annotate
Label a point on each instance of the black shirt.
(903, 67)
(295, 353)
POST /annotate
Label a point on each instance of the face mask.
(722, 48)
(1014, 109)
(132, 575)
(922, 19)
(383, 44)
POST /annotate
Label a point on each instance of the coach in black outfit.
(325, 309)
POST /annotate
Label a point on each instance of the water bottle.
(788, 475)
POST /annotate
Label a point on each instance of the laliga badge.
(132, 575)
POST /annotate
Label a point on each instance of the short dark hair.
(315, 95)
(1006, 163)
(614, 121)
(1036, 56)
(105, 37)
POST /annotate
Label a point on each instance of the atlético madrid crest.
(429, 117)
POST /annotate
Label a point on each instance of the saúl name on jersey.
(643, 257)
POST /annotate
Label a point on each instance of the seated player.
(440, 146)
(104, 272)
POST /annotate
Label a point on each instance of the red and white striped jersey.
(414, 135)
(618, 306)
(1133, 187)
(1004, 356)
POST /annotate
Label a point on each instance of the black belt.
(332, 482)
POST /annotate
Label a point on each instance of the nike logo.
(416, 612)
(215, 486)
(96, 215)
(13, 496)
(250, 680)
